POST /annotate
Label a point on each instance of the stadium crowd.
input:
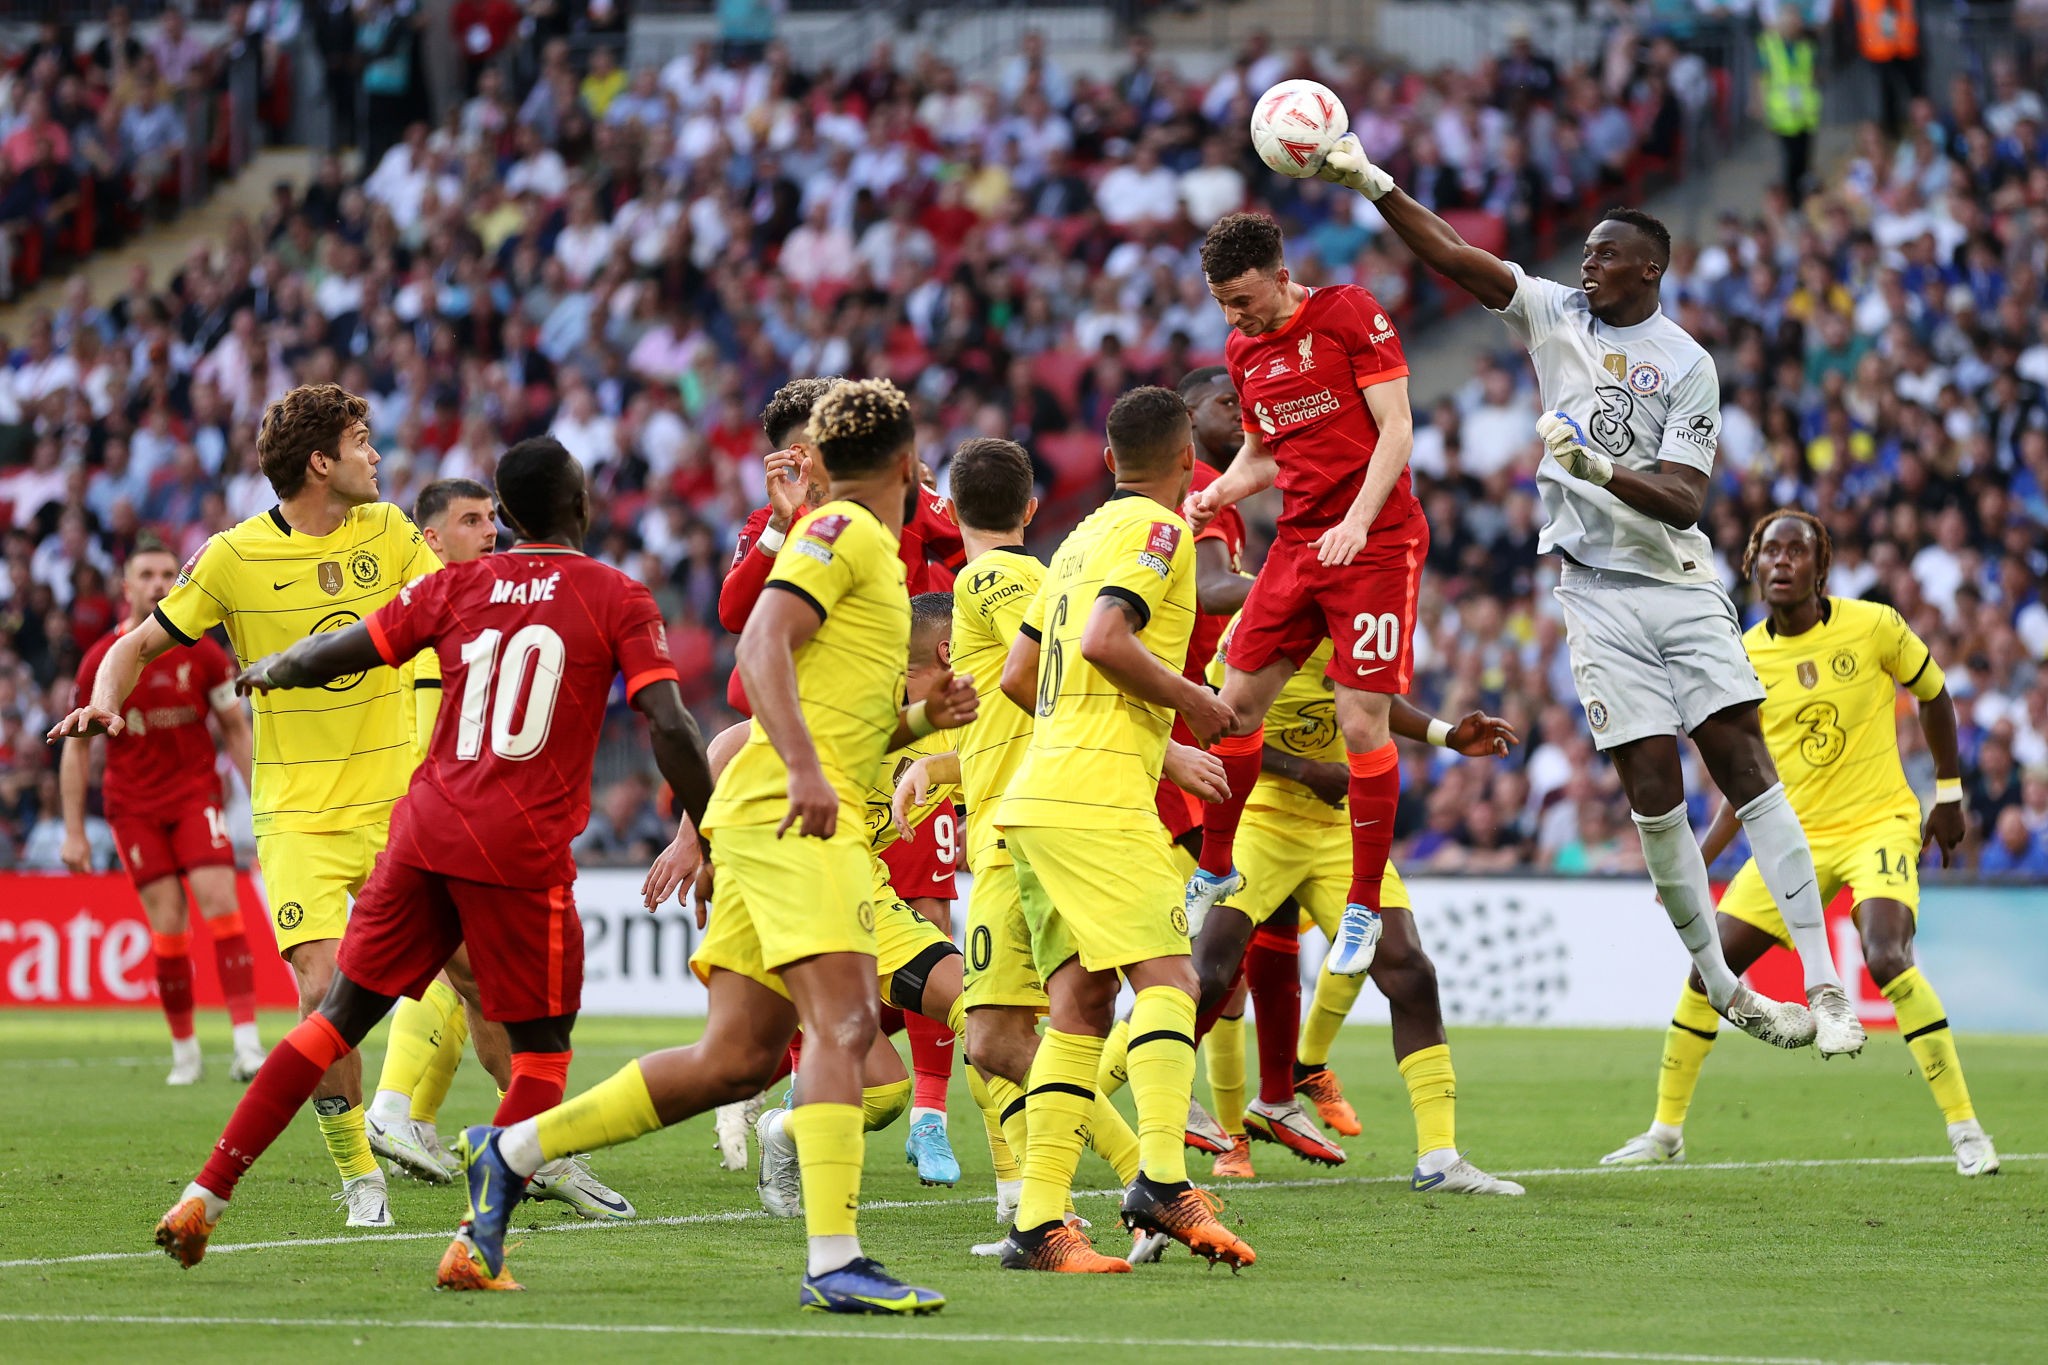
(634, 259)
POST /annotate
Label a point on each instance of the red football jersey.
(529, 642)
(1228, 527)
(1302, 389)
(163, 761)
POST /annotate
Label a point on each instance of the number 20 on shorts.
(1379, 637)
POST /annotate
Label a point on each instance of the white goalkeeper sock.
(1786, 864)
(1680, 874)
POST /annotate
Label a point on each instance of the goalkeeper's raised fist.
(1347, 164)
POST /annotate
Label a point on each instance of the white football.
(1295, 124)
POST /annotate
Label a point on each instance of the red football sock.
(538, 1080)
(1206, 1020)
(1273, 970)
(174, 981)
(931, 1060)
(1240, 755)
(237, 967)
(288, 1078)
(891, 1021)
(1375, 797)
(790, 1056)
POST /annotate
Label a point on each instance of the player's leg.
(421, 1031)
(170, 941)
(928, 991)
(213, 892)
(1886, 925)
(1250, 692)
(1223, 1063)
(932, 1043)
(1372, 801)
(1731, 742)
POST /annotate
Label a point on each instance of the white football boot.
(367, 1200)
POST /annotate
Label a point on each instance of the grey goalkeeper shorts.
(1649, 657)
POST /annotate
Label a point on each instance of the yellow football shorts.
(1881, 862)
(1111, 897)
(1282, 855)
(778, 901)
(901, 934)
(1000, 968)
(310, 879)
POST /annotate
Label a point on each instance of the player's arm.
(1330, 783)
(1911, 663)
(1219, 589)
(1475, 734)
(74, 776)
(1720, 833)
(952, 703)
(1252, 471)
(235, 735)
(123, 664)
(678, 746)
(315, 660)
(915, 787)
(1020, 670)
(741, 591)
(1436, 243)
(782, 623)
(1110, 642)
(1388, 403)
(1675, 492)
(1197, 772)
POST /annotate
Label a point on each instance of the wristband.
(920, 723)
(1440, 734)
(1947, 790)
(770, 541)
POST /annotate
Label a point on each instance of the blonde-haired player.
(330, 761)
(1831, 668)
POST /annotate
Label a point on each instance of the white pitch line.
(751, 1215)
(937, 1335)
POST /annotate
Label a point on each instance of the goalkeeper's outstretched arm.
(1436, 243)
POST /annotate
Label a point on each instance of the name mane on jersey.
(525, 592)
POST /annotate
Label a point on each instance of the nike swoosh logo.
(483, 1199)
(897, 1305)
(1428, 1182)
(1368, 672)
(1363, 824)
(280, 587)
(1803, 887)
(616, 1207)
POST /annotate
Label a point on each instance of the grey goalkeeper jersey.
(1644, 394)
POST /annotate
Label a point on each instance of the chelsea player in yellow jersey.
(792, 938)
(1830, 669)
(1098, 661)
(330, 762)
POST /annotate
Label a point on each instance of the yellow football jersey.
(990, 598)
(849, 676)
(1829, 712)
(1095, 751)
(327, 758)
(881, 793)
(1303, 722)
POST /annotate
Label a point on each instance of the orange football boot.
(182, 1232)
(1187, 1215)
(1235, 1164)
(462, 1269)
(1327, 1095)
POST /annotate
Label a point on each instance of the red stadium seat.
(1060, 370)
(1075, 456)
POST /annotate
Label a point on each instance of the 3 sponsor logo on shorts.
(290, 915)
(1596, 714)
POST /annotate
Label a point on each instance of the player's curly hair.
(1823, 544)
(860, 425)
(1241, 242)
(991, 483)
(309, 418)
(789, 409)
(1147, 427)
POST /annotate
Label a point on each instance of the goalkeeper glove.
(1566, 440)
(1346, 164)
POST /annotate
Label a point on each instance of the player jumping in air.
(1324, 386)
(163, 800)
(1098, 660)
(1830, 669)
(329, 763)
(530, 642)
(1632, 423)
(792, 940)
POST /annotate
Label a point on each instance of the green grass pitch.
(1875, 1250)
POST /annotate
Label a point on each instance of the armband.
(918, 722)
(770, 541)
(1947, 790)
(1440, 733)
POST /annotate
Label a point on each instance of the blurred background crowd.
(635, 256)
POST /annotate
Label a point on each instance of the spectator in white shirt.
(585, 432)
(896, 241)
(1938, 568)
(539, 169)
(1139, 191)
(818, 252)
(1031, 70)
(584, 244)
(1497, 430)
(46, 370)
(1214, 188)
(1106, 316)
(952, 115)
(2011, 101)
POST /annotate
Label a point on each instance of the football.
(1295, 124)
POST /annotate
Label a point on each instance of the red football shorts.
(1179, 811)
(924, 866)
(1366, 608)
(525, 944)
(153, 847)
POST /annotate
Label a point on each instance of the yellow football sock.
(1110, 1134)
(415, 1038)
(1223, 1058)
(432, 1091)
(617, 1109)
(1059, 1104)
(1000, 1156)
(347, 1141)
(1335, 995)
(1433, 1095)
(1113, 1075)
(882, 1105)
(1924, 1025)
(1694, 1026)
(1006, 1099)
(829, 1151)
(1162, 1070)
